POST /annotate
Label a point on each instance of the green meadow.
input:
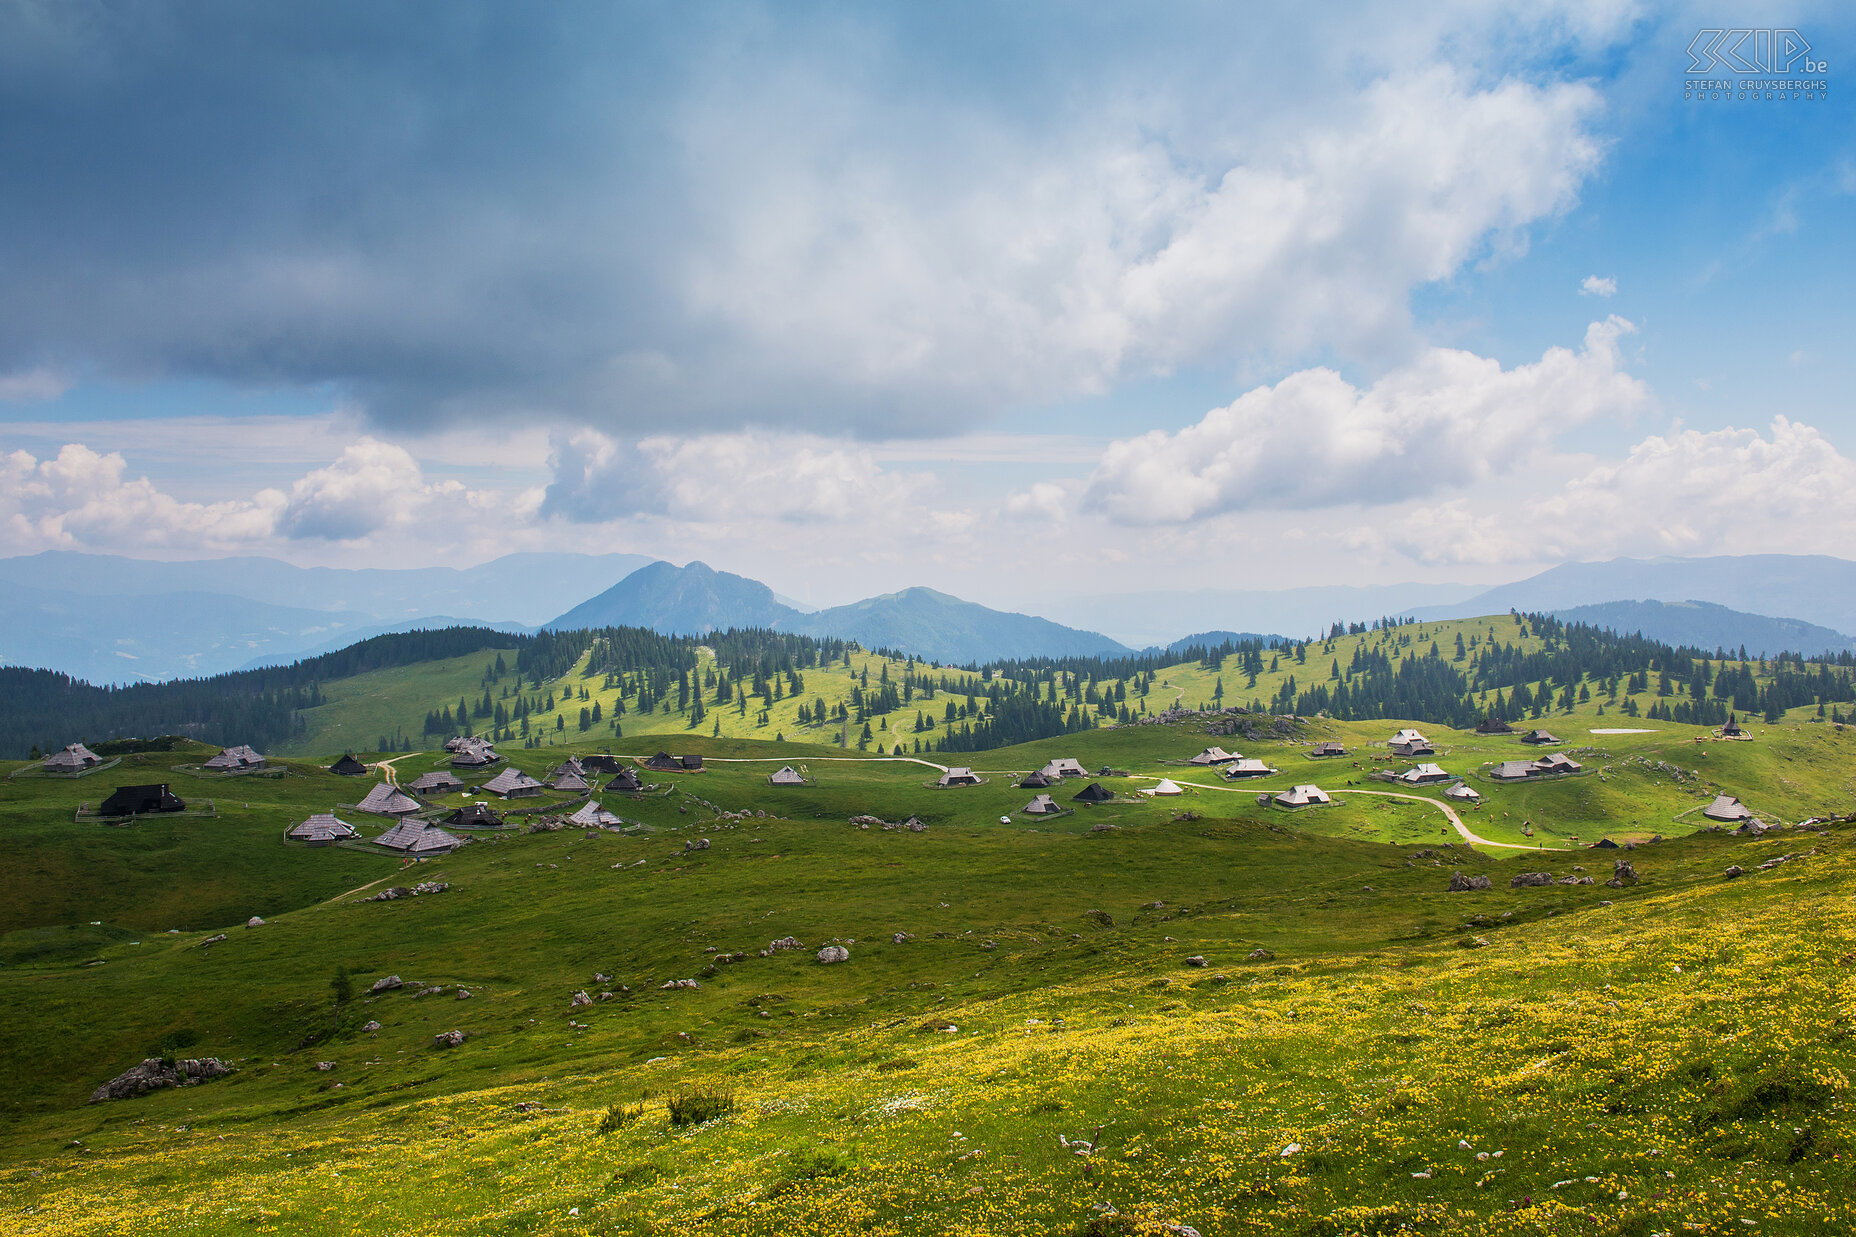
(1199, 1011)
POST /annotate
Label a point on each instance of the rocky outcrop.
(388, 984)
(1622, 874)
(155, 1073)
(834, 953)
(1462, 882)
(447, 1039)
(1524, 880)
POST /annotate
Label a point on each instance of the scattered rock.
(424, 887)
(1773, 863)
(447, 1039)
(1152, 906)
(254, 922)
(1104, 827)
(602, 979)
(1525, 879)
(463, 994)
(153, 1074)
(1476, 942)
(1735, 870)
(388, 984)
(371, 1026)
(679, 983)
(325, 1066)
(1622, 874)
(1102, 919)
(214, 940)
(391, 894)
(684, 1037)
(1575, 880)
(1261, 955)
(696, 844)
(581, 998)
(1196, 960)
(1462, 882)
(900, 937)
(785, 942)
(834, 953)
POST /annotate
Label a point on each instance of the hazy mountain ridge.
(1812, 588)
(1708, 626)
(697, 598)
(110, 619)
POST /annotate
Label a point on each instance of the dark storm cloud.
(649, 218)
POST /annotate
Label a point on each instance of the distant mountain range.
(117, 620)
(697, 598)
(110, 619)
(1813, 588)
(1212, 639)
(1708, 626)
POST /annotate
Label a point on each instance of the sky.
(1011, 301)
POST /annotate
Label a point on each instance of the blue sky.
(855, 297)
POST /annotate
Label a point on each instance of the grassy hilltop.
(1670, 1056)
(393, 703)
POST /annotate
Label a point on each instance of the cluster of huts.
(123, 800)
(418, 837)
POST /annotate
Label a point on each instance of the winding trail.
(1449, 812)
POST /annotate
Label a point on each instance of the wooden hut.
(437, 782)
(72, 758)
(512, 783)
(348, 766)
(141, 801)
(322, 829)
(233, 759)
(386, 800)
(418, 839)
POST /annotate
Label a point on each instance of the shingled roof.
(385, 800)
(512, 782)
(415, 837)
(73, 758)
(348, 766)
(241, 757)
(322, 829)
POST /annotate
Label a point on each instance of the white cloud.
(1313, 440)
(373, 486)
(1026, 272)
(80, 499)
(1045, 500)
(1599, 285)
(33, 386)
(1728, 491)
(722, 479)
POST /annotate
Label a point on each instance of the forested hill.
(46, 709)
(1513, 667)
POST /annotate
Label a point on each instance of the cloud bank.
(1314, 440)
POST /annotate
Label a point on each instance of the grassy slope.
(1373, 1040)
(365, 707)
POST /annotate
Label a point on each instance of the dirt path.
(784, 760)
(1449, 812)
(392, 776)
